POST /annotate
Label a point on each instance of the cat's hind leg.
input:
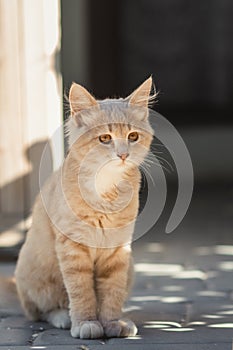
(29, 307)
(59, 318)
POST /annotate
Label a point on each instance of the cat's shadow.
(18, 196)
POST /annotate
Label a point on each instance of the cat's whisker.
(152, 160)
(148, 163)
(160, 159)
(157, 145)
(166, 161)
(144, 179)
(143, 168)
(154, 148)
(157, 152)
(158, 163)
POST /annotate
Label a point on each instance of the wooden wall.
(30, 99)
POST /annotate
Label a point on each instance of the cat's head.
(115, 133)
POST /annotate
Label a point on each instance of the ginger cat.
(75, 267)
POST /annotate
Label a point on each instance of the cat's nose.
(123, 156)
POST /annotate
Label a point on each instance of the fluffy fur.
(75, 267)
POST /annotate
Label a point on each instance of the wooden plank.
(30, 102)
(13, 165)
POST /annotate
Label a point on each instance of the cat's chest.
(107, 180)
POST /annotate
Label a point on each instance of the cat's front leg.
(77, 271)
(112, 288)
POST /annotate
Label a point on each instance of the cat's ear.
(80, 99)
(141, 96)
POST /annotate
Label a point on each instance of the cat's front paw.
(87, 330)
(120, 328)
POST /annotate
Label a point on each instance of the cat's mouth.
(119, 164)
(126, 163)
(122, 162)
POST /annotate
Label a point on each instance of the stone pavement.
(183, 292)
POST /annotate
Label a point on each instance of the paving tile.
(175, 335)
(11, 336)
(21, 322)
(60, 337)
(208, 346)
(169, 346)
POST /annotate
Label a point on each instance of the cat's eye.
(133, 136)
(105, 138)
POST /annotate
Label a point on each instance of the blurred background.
(111, 47)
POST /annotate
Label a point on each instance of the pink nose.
(123, 156)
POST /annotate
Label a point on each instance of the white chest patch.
(109, 176)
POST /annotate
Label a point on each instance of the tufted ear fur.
(141, 96)
(80, 99)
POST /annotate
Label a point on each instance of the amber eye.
(133, 136)
(105, 138)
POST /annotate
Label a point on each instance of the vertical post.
(75, 42)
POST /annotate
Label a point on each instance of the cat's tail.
(9, 301)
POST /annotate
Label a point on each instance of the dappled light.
(191, 293)
(221, 325)
(226, 265)
(136, 337)
(223, 249)
(156, 326)
(167, 326)
(226, 312)
(158, 269)
(146, 298)
(167, 323)
(179, 329)
(173, 300)
(211, 293)
(173, 288)
(190, 274)
(131, 308)
(212, 316)
(197, 323)
(217, 249)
